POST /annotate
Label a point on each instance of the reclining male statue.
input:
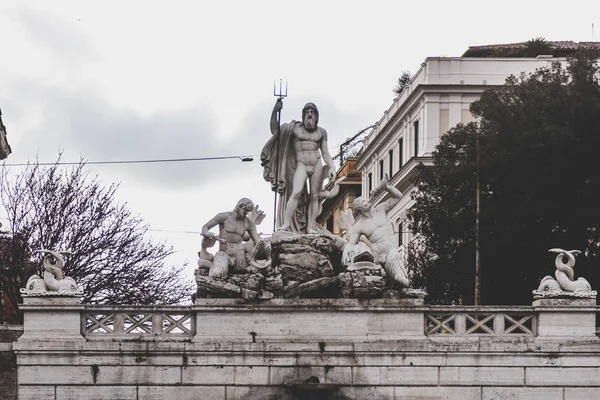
(376, 226)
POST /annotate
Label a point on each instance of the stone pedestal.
(566, 319)
(51, 319)
(309, 320)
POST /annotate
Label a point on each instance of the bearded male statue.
(290, 158)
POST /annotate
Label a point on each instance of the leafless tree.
(65, 208)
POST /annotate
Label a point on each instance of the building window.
(370, 182)
(400, 152)
(380, 169)
(391, 163)
(416, 131)
(400, 241)
(330, 223)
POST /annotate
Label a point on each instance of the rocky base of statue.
(363, 280)
(305, 266)
(309, 264)
(249, 286)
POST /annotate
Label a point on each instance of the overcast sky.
(123, 80)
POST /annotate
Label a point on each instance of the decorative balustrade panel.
(138, 323)
(488, 322)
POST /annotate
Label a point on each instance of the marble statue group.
(302, 258)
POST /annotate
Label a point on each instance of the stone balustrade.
(496, 321)
(138, 323)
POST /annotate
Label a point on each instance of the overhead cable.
(164, 160)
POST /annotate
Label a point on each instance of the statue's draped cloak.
(287, 166)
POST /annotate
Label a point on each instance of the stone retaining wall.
(323, 349)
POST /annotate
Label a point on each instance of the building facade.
(436, 99)
(349, 189)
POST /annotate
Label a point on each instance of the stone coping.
(11, 327)
(568, 303)
(309, 304)
(546, 305)
(468, 346)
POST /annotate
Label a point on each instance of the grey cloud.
(67, 42)
(82, 122)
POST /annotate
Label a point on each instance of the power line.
(171, 231)
(193, 232)
(164, 160)
(243, 158)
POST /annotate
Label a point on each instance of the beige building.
(350, 188)
(436, 99)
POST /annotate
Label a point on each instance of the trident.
(280, 94)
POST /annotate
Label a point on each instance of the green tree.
(540, 187)
(64, 208)
(403, 82)
(537, 46)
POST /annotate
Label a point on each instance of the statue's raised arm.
(274, 121)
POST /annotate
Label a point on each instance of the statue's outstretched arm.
(395, 194)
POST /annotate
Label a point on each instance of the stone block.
(522, 393)
(368, 376)
(581, 393)
(578, 360)
(181, 392)
(567, 324)
(55, 375)
(137, 375)
(558, 376)
(357, 392)
(437, 393)
(96, 392)
(35, 393)
(373, 376)
(208, 375)
(52, 325)
(251, 375)
(483, 376)
(409, 376)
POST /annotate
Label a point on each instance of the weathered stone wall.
(327, 349)
(8, 360)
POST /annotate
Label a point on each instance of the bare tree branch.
(64, 208)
